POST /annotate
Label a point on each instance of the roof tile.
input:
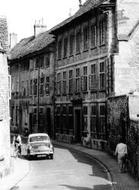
(30, 45)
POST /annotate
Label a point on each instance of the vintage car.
(39, 144)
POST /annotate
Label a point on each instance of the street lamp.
(38, 98)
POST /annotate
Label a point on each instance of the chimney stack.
(4, 33)
(39, 27)
(80, 3)
(12, 40)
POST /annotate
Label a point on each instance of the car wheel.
(51, 157)
(28, 155)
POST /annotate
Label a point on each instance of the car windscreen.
(38, 138)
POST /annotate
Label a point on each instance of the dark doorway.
(123, 126)
(77, 126)
(48, 122)
(30, 123)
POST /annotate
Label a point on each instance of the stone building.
(86, 43)
(127, 60)
(93, 56)
(4, 100)
(32, 73)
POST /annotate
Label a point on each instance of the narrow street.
(68, 170)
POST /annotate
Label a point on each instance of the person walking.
(18, 144)
(121, 153)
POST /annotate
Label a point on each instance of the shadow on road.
(97, 169)
(25, 157)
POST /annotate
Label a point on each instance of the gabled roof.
(126, 37)
(31, 45)
(86, 7)
(129, 20)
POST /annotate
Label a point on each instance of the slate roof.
(31, 45)
(86, 7)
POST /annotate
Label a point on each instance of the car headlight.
(51, 147)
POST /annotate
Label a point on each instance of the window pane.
(59, 49)
(41, 85)
(85, 110)
(64, 83)
(77, 81)
(102, 75)
(70, 82)
(47, 61)
(94, 109)
(35, 86)
(47, 85)
(84, 79)
(93, 36)
(65, 46)
(58, 83)
(71, 44)
(86, 37)
(31, 85)
(102, 110)
(93, 78)
(78, 41)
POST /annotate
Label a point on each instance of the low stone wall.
(99, 144)
(65, 138)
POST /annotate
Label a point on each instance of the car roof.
(38, 134)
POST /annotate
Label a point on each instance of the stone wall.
(120, 124)
(4, 116)
(4, 101)
(117, 120)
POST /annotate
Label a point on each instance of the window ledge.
(93, 90)
(85, 50)
(71, 55)
(65, 57)
(77, 93)
(84, 91)
(95, 47)
(102, 45)
(77, 53)
(102, 90)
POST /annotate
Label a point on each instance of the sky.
(21, 14)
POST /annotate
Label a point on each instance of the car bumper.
(47, 153)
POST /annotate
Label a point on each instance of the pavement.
(19, 169)
(119, 181)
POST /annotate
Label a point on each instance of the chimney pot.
(80, 3)
(39, 28)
